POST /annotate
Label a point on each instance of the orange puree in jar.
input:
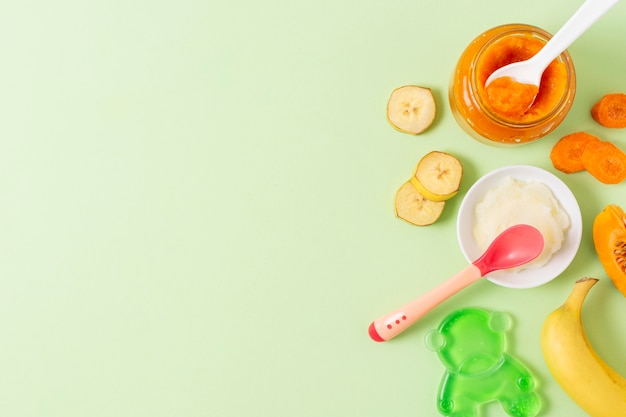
(500, 113)
(510, 98)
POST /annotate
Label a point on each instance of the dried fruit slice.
(566, 153)
(610, 110)
(609, 239)
(416, 209)
(438, 176)
(411, 109)
(605, 161)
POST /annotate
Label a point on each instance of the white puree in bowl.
(513, 202)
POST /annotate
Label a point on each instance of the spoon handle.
(392, 324)
(581, 20)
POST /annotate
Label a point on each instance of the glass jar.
(491, 50)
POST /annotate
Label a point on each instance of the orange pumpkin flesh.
(609, 239)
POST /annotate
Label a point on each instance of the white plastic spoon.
(531, 70)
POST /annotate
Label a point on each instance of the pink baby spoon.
(514, 247)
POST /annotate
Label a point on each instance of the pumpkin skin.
(609, 239)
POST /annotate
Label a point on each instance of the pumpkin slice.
(609, 239)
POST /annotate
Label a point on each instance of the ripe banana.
(582, 374)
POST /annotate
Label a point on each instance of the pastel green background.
(196, 204)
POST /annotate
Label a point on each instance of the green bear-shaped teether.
(471, 345)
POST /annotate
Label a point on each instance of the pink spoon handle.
(394, 323)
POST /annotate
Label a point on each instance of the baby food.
(510, 98)
(500, 114)
(514, 201)
(505, 100)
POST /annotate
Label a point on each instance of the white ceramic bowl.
(531, 277)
